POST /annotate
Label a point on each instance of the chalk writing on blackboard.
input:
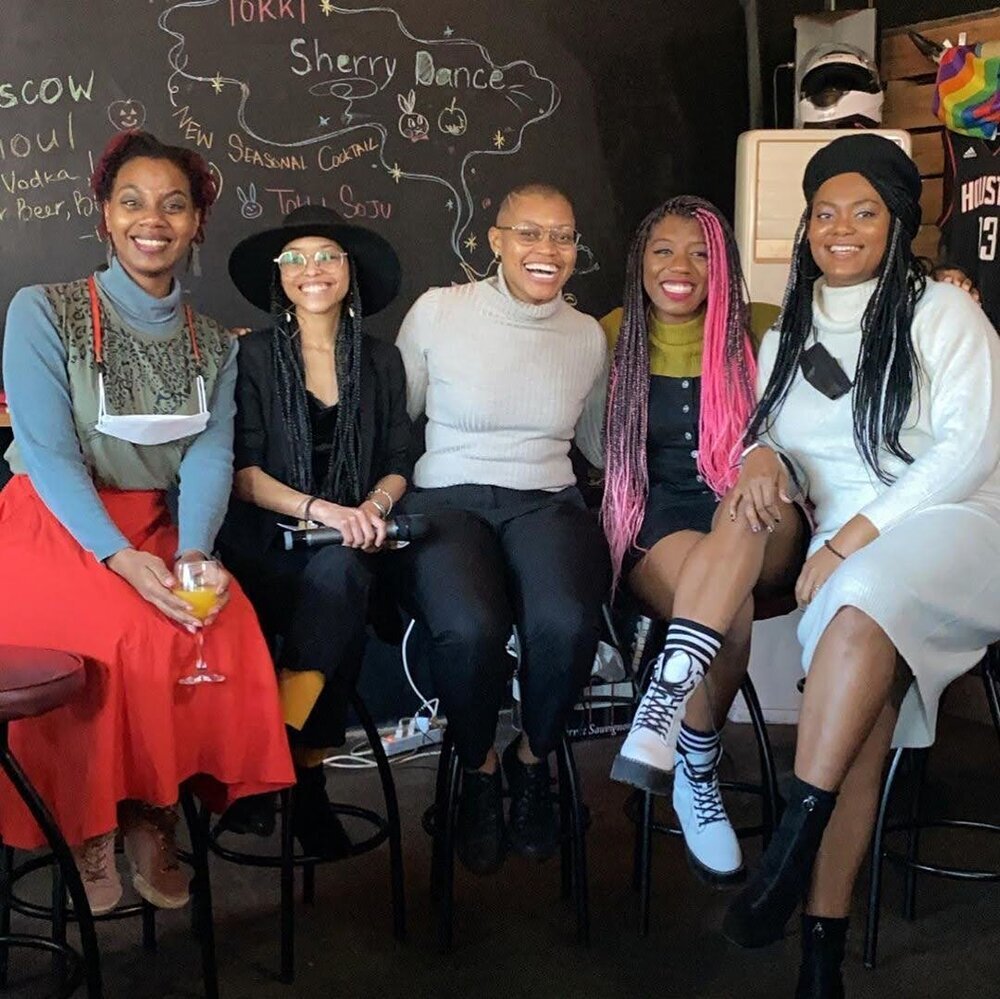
(424, 110)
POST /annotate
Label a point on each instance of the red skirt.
(133, 732)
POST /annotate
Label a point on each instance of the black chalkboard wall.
(413, 118)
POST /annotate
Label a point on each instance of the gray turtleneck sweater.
(505, 386)
(34, 368)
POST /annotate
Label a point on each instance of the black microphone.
(401, 528)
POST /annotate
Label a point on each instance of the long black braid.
(342, 481)
(888, 367)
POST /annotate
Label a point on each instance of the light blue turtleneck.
(34, 368)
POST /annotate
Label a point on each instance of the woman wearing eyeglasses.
(322, 436)
(507, 372)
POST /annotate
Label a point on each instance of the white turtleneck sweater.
(505, 386)
(953, 429)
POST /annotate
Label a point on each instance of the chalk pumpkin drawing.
(359, 93)
(126, 114)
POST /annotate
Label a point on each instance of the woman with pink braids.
(680, 396)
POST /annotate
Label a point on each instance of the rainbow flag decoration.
(967, 95)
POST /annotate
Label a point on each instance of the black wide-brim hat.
(251, 264)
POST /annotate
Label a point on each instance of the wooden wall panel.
(908, 105)
(900, 57)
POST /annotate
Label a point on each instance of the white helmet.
(839, 88)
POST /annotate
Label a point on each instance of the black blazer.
(261, 438)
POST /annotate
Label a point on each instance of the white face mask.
(148, 428)
(151, 428)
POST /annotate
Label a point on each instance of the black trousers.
(316, 600)
(496, 558)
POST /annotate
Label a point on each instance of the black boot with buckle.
(823, 943)
(758, 915)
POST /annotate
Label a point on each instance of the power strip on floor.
(395, 741)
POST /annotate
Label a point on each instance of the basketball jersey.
(970, 221)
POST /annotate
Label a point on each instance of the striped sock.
(698, 641)
(700, 749)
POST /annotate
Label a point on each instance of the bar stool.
(288, 860)
(573, 846)
(909, 860)
(18, 681)
(32, 683)
(640, 806)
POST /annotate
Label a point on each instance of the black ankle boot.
(532, 829)
(252, 815)
(758, 915)
(480, 837)
(823, 942)
(315, 824)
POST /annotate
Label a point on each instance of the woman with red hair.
(119, 392)
(680, 396)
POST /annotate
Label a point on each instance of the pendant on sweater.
(823, 371)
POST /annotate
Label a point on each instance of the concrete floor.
(514, 937)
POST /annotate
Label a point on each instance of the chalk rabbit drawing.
(250, 207)
(412, 125)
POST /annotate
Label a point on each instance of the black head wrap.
(881, 162)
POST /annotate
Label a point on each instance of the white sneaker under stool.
(646, 759)
(713, 851)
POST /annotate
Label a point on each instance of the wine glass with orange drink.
(198, 586)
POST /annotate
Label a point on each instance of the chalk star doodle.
(450, 205)
(217, 83)
(359, 85)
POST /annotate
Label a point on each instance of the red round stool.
(33, 682)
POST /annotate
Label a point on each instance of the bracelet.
(387, 495)
(382, 511)
(308, 507)
(826, 544)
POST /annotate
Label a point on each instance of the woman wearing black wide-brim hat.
(322, 436)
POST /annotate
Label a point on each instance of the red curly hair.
(135, 143)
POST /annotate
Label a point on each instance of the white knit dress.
(931, 579)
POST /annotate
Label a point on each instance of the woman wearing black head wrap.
(880, 401)
(321, 435)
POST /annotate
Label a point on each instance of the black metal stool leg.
(6, 866)
(440, 812)
(391, 815)
(566, 830)
(644, 833)
(579, 841)
(43, 817)
(877, 861)
(59, 920)
(446, 829)
(637, 838)
(149, 926)
(919, 759)
(201, 888)
(287, 974)
(768, 772)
